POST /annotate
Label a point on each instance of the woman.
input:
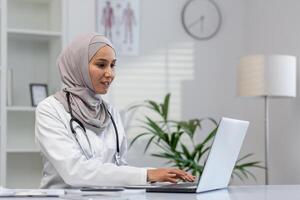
(81, 137)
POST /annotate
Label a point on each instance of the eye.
(100, 65)
(113, 65)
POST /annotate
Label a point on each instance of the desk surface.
(273, 192)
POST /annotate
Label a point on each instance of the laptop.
(220, 161)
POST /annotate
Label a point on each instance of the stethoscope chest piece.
(117, 158)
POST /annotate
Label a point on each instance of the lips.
(106, 83)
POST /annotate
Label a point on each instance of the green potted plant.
(168, 136)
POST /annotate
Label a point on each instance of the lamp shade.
(267, 75)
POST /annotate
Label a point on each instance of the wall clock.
(201, 19)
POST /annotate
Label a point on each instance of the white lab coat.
(64, 164)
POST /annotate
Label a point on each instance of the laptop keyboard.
(182, 187)
(181, 184)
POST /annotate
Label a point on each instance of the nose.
(108, 72)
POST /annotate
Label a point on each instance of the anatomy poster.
(119, 21)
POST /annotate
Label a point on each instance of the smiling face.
(102, 69)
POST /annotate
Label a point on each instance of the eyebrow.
(101, 59)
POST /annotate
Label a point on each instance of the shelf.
(33, 34)
(21, 109)
(37, 1)
(22, 151)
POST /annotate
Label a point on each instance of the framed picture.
(38, 92)
(119, 21)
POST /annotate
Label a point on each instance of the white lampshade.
(267, 75)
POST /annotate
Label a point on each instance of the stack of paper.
(4, 192)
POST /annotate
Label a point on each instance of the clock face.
(201, 18)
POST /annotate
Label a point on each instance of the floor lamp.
(267, 76)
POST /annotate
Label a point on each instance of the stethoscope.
(74, 119)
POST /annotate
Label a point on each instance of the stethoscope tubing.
(74, 119)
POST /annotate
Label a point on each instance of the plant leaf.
(156, 129)
(148, 143)
(137, 137)
(175, 139)
(251, 174)
(165, 107)
(210, 135)
(154, 106)
(244, 157)
(186, 152)
(238, 175)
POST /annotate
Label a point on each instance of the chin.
(101, 91)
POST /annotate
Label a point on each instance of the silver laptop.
(220, 162)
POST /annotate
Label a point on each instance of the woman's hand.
(168, 175)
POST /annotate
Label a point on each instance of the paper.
(31, 192)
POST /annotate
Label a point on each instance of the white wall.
(272, 26)
(254, 26)
(80, 17)
(213, 92)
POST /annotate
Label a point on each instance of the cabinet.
(32, 36)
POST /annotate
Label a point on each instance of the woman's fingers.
(171, 178)
(183, 175)
(168, 175)
(189, 177)
(178, 171)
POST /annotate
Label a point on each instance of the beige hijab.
(73, 62)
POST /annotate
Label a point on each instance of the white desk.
(274, 192)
